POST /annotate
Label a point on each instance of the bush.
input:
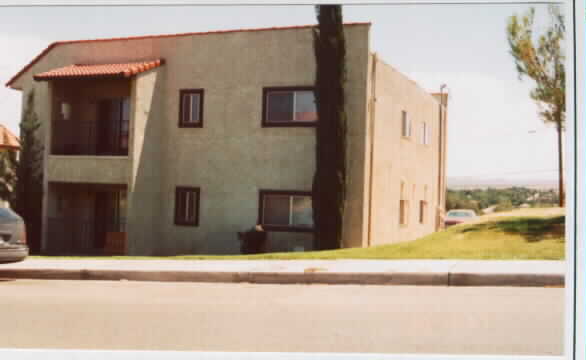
(253, 241)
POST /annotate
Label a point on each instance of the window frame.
(281, 228)
(182, 93)
(406, 125)
(422, 211)
(266, 123)
(403, 212)
(183, 189)
(426, 134)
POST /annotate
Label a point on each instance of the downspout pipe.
(441, 155)
(372, 102)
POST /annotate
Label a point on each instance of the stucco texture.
(404, 168)
(231, 157)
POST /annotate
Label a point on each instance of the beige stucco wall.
(87, 169)
(399, 160)
(144, 219)
(232, 157)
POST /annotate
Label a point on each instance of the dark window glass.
(187, 206)
(289, 107)
(280, 106)
(191, 106)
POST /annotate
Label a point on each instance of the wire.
(509, 173)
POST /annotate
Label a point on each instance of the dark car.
(13, 246)
(460, 216)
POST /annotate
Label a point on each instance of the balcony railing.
(85, 236)
(74, 137)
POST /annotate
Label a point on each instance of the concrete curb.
(356, 278)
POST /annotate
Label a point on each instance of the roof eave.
(10, 82)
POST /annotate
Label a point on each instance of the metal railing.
(78, 137)
(82, 235)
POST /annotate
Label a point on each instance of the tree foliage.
(329, 182)
(27, 199)
(502, 199)
(542, 58)
(8, 164)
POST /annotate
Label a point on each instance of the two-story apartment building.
(172, 144)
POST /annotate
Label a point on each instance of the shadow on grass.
(533, 229)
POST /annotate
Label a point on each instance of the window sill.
(186, 224)
(92, 157)
(289, 124)
(277, 228)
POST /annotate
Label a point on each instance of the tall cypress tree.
(27, 198)
(329, 182)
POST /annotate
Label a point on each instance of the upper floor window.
(425, 134)
(289, 106)
(286, 210)
(187, 206)
(405, 124)
(191, 108)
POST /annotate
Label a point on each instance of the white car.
(13, 246)
(459, 216)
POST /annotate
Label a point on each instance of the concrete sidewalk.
(372, 272)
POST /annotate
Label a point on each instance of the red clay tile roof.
(101, 70)
(57, 43)
(8, 140)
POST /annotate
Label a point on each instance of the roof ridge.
(143, 37)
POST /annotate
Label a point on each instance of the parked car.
(13, 247)
(459, 216)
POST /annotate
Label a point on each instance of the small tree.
(329, 182)
(8, 164)
(542, 59)
(27, 199)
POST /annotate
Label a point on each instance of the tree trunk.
(560, 166)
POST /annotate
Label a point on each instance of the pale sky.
(490, 113)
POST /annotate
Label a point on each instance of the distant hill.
(464, 183)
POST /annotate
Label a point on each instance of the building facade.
(172, 144)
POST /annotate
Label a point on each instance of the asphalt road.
(290, 318)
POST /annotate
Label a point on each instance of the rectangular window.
(191, 108)
(405, 125)
(422, 211)
(425, 134)
(286, 210)
(403, 212)
(290, 106)
(187, 206)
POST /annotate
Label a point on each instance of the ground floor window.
(422, 211)
(403, 212)
(281, 210)
(187, 206)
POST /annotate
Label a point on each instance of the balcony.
(86, 236)
(90, 117)
(86, 219)
(89, 138)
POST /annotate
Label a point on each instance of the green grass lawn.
(502, 238)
